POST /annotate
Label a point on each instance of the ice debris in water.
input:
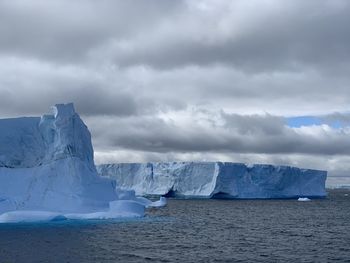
(303, 199)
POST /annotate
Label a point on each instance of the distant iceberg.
(216, 180)
(47, 172)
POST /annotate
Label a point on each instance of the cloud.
(106, 90)
(31, 86)
(255, 36)
(259, 36)
(67, 31)
(263, 134)
(337, 117)
(261, 56)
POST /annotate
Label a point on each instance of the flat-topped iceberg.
(216, 180)
(47, 172)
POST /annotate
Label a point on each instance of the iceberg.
(216, 180)
(47, 172)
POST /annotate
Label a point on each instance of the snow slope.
(216, 180)
(47, 171)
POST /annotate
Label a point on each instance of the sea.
(194, 231)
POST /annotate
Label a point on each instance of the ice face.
(47, 168)
(30, 142)
(217, 180)
(21, 143)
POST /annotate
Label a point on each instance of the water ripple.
(195, 231)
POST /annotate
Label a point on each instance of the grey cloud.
(36, 91)
(262, 37)
(253, 124)
(223, 87)
(87, 100)
(30, 87)
(342, 118)
(313, 33)
(238, 134)
(67, 30)
(140, 91)
(231, 46)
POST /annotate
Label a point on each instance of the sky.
(257, 81)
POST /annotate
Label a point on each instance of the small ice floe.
(303, 199)
(161, 202)
(346, 194)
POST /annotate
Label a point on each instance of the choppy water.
(195, 231)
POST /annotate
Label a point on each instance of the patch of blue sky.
(298, 121)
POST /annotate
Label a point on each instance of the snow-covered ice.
(216, 180)
(303, 199)
(47, 172)
(117, 209)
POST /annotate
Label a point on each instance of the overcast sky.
(254, 81)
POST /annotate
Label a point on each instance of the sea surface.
(195, 231)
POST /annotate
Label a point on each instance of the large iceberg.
(47, 172)
(216, 180)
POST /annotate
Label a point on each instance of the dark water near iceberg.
(195, 231)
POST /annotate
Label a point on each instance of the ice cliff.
(216, 180)
(47, 172)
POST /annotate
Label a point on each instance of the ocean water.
(195, 231)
